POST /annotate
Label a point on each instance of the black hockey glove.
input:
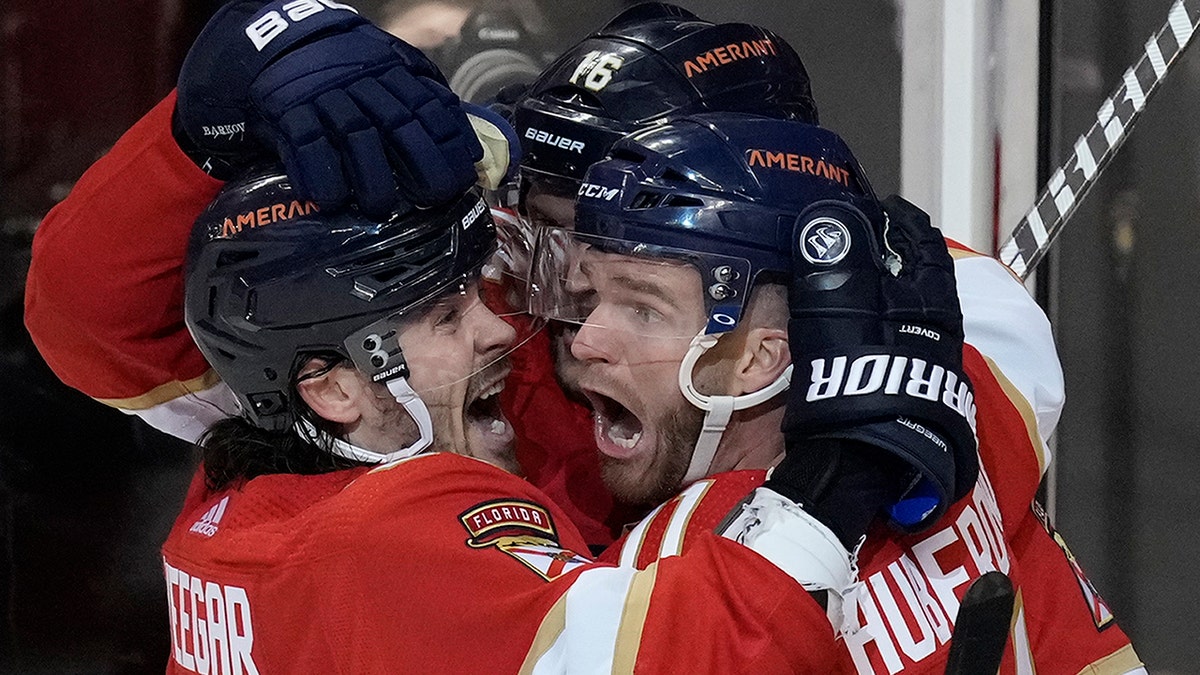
(880, 414)
(350, 110)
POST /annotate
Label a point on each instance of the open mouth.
(618, 431)
(484, 411)
(486, 419)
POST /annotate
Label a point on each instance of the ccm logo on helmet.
(598, 191)
(563, 142)
(271, 25)
(895, 375)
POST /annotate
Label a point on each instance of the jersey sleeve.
(104, 297)
(1004, 323)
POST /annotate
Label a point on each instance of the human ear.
(765, 355)
(334, 394)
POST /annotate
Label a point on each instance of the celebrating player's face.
(644, 313)
(457, 354)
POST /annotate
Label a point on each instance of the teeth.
(626, 443)
(492, 391)
(498, 427)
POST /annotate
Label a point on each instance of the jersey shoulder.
(673, 526)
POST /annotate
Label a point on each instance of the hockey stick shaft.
(1031, 239)
(982, 627)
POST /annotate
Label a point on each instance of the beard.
(652, 478)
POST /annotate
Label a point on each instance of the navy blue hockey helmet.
(654, 61)
(271, 279)
(726, 192)
(723, 198)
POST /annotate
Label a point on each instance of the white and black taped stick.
(1032, 238)
(982, 627)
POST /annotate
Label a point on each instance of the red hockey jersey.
(913, 584)
(445, 564)
(119, 337)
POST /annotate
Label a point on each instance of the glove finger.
(460, 157)
(430, 180)
(903, 227)
(912, 234)
(363, 157)
(443, 120)
(406, 150)
(443, 114)
(421, 164)
(310, 160)
(379, 104)
(459, 130)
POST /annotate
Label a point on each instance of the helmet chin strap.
(413, 405)
(718, 409)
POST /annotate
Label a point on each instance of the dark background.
(88, 494)
(1126, 312)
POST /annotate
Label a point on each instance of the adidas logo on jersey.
(207, 525)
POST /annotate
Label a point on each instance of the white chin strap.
(718, 409)
(406, 397)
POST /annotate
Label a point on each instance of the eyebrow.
(645, 287)
(634, 284)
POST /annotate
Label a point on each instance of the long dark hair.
(235, 451)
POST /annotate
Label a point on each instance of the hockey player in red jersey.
(354, 515)
(105, 348)
(713, 227)
(651, 62)
(358, 514)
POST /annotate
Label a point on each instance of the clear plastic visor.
(644, 290)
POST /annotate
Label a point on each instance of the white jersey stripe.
(595, 605)
(672, 541)
(187, 417)
(637, 538)
(1021, 648)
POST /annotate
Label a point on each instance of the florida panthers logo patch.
(523, 530)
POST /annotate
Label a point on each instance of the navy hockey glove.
(880, 414)
(350, 110)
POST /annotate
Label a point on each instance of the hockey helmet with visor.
(717, 194)
(271, 281)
